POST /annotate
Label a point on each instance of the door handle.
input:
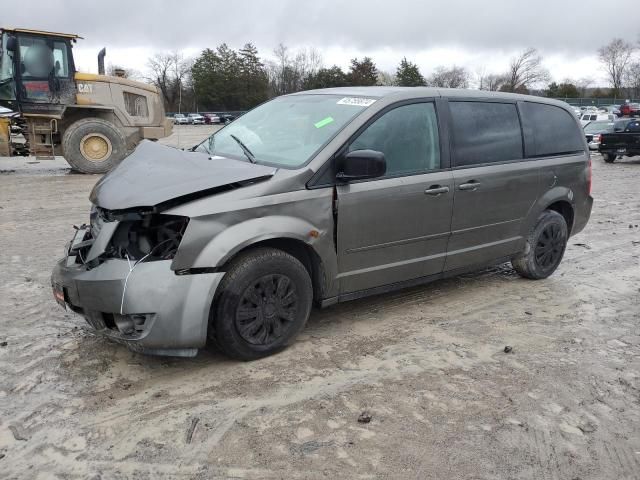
(436, 190)
(471, 185)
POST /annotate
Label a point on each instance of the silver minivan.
(320, 197)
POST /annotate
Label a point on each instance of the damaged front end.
(117, 271)
(132, 235)
(117, 274)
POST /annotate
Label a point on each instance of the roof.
(402, 93)
(42, 32)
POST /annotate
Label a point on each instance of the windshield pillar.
(7, 80)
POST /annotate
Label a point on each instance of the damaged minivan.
(320, 197)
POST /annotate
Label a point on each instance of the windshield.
(597, 127)
(286, 131)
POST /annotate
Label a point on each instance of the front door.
(396, 228)
(494, 187)
(45, 74)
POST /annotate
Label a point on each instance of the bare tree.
(115, 70)
(386, 78)
(289, 69)
(489, 81)
(583, 85)
(615, 58)
(525, 71)
(454, 77)
(171, 73)
(479, 77)
(632, 79)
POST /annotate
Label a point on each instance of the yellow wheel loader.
(94, 121)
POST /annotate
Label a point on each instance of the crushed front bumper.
(150, 308)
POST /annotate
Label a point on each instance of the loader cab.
(37, 71)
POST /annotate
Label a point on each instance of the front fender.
(239, 236)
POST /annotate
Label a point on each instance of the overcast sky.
(463, 32)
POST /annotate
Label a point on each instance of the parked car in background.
(593, 131)
(614, 109)
(180, 119)
(577, 111)
(630, 110)
(594, 116)
(196, 119)
(317, 198)
(621, 144)
(211, 118)
(226, 117)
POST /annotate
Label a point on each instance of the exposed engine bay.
(138, 236)
(152, 237)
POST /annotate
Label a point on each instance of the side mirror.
(361, 164)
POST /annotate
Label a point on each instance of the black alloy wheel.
(267, 309)
(550, 246)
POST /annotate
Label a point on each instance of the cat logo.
(85, 88)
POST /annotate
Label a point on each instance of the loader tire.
(93, 145)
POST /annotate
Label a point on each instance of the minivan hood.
(154, 174)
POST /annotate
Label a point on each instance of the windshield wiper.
(245, 149)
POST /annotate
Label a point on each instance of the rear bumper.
(150, 309)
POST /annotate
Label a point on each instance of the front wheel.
(609, 157)
(93, 145)
(263, 303)
(545, 247)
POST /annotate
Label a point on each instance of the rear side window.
(485, 132)
(555, 132)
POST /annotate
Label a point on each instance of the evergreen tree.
(224, 79)
(326, 78)
(363, 73)
(408, 75)
(255, 82)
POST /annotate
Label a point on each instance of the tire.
(545, 247)
(609, 157)
(93, 145)
(263, 303)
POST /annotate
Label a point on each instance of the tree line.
(224, 79)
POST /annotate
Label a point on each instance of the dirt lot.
(427, 364)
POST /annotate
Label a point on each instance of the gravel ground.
(414, 384)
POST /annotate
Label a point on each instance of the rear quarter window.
(485, 132)
(554, 130)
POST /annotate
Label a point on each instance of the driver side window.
(408, 137)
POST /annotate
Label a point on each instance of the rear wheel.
(609, 157)
(545, 247)
(264, 302)
(93, 145)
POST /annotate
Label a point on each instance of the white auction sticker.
(356, 101)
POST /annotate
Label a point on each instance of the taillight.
(589, 174)
(599, 138)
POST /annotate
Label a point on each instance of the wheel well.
(566, 210)
(301, 251)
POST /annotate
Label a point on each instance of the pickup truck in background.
(630, 110)
(621, 144)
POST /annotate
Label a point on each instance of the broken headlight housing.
(150, 236)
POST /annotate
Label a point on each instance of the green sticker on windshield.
(323, 123)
